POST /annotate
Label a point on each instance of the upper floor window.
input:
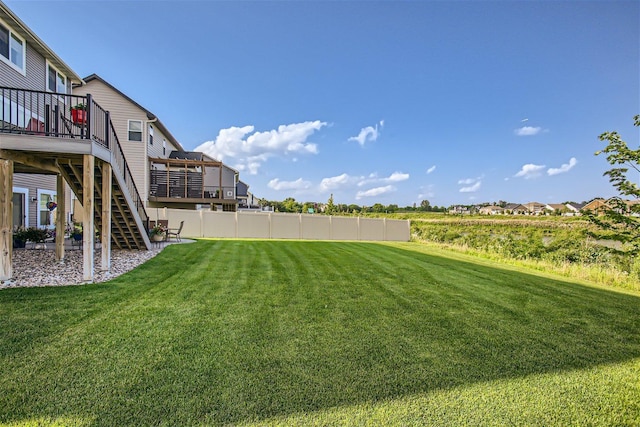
(56, 81)
(135, 130)
(150, 135)
(12, 48)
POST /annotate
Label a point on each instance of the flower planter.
(157, 237)
(79, 116)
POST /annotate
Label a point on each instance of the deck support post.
(88, 229)
(61, 217)
(105, 233)
(6, 219)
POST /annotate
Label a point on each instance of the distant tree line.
(330, 208)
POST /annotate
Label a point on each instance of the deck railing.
(61, 115)
(118, 157)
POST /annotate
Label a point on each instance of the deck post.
(105, 233)
(89, 114)
(6, 219)
(107, 129)
(61, 216)
(88, 231)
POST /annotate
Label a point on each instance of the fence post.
(384, 229)
(236, 230)
(201, 212)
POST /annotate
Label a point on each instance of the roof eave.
(41, 47)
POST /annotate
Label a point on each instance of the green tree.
(353, 208)
(330, 208)
(622, 217)
(377, 207)
(290, 205)
(425, 205)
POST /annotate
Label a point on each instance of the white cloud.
(528, 131)
(467, 181)
(373, 179)
(375, 191)
(471, 184)
(368, 133)
(397, 177)
(566, 167)
(298, 184)
(529, 171)
(334, 182)
(248, 150)
(431, 169)
(472, 188)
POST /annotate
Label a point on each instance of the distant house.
(516, 209)
(491, 210)
(246, 200)
(597, 206)
(557, 208)
(460, 210)
(574, 208)
(535, 208)
(633, 207)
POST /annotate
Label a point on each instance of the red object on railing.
(79, 116)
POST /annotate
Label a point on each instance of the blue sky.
(373, 102)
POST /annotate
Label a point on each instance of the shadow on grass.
(226, 331)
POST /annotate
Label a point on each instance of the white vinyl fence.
(269, 225)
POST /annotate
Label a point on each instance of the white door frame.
(50, 193)
(25, 207)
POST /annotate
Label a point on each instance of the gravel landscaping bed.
(38, 267)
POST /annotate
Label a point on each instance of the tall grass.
(567, 247)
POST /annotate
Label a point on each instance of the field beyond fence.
(570, 246)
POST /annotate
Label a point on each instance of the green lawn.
(320, 333)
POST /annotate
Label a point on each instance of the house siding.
(36, 73)
(155, 150)
(35, 182)
(35, 78)
(121, 112)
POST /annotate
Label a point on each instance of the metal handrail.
(34, 112)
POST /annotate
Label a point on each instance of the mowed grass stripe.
(221, 332)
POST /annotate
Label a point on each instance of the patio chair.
(175, 232)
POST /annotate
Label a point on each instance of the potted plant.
(20, 237)
(76, 233)
(36, 235)
(79, 113)
(158, 233)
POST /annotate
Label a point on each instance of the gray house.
(52, 140)
(27, 63)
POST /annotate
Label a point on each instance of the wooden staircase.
(127, 228)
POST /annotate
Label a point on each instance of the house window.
(56, 81)
(135, 130)
(12, 48)
(46, 216)
(164, 147)
(150, 135)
